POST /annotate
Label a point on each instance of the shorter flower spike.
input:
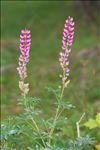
(67, 41)
(25, 42)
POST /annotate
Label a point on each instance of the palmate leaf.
(81, 143)
(65, 105)
(93, 123)
(8, 129)
(29, 101)
(30, 112)
(46, 122)
(56, 92)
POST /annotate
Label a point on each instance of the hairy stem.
(35, 124)
(78, 125)
(57, 111)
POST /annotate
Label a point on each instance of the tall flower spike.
(67, 41)
(25, 42)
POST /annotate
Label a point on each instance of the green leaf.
(98, 119)
(8, 130)
(81, 143)
(56, 92)
(65, 105)
(29, 101)
(97, 147)
(91, 123)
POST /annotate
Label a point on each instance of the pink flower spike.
(25, 42)
(67, 41)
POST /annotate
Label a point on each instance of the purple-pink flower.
(67, 41)
(68, 33)
(25, 42)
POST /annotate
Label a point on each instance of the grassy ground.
(46, 21)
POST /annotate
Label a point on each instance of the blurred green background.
(46, 20)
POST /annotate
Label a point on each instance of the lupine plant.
(29, 131)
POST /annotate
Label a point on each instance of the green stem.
(32, 138)
(54, 124)
(60, 113)
(57, 114)
(35, 124)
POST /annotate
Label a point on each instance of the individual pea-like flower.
(67, 41)
(25, 42)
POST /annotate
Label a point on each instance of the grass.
(46, 20)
